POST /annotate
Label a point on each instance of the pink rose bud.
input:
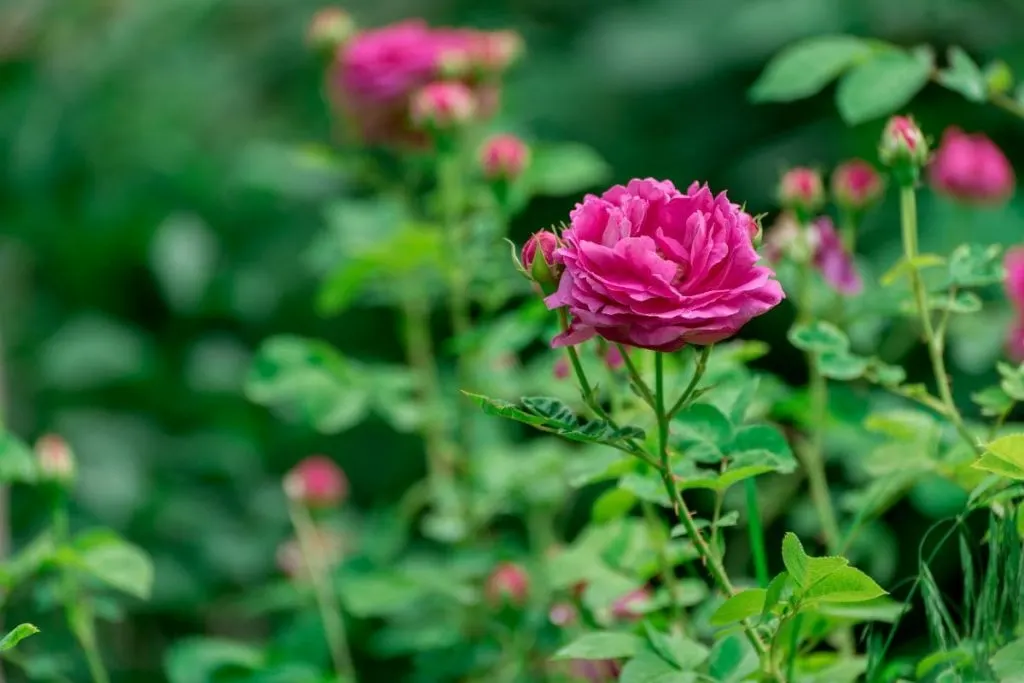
(496, 51)
(443, 105)
(504, 157)
(971, 169)
(1014, 266)
(317, 482)
(1015, 342)
(561, 369)
(329, 29)
(613, 359)
(547, 269)
(54, 459)
(508, 584)
(802, 190)
(563, 614)
(833, 261)
(856, 185)
(903, 147)
(629, 606)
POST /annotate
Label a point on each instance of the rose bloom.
(833, 261)
(651, 267)
(971, 168)
(1014, 284)
(317, 482)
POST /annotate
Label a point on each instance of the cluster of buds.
(316, 482)
(55, 461)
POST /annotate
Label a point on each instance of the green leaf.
(794, 557)
(724, 481)
(551, 415)
(602, 645)
(880, 609)
(964, 76)
(845, 584)
(905, 266)
(612, 504)
(818, 337)
(882, 85)
(884, 373)
(16, 635)
(739, 607)
(1011, 380)
(762, 445)
(842, 365)
(112, 560)
(774, 592)
(976, 265)
(804, 68)
(17, 463)
(701, 431)
(310, 379)
(1008, 662)
(565, 169)
(199, 660)
(963, 302)
(1004, 456)
(680, 651)
(648, 667)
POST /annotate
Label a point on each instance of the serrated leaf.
(16, 635)
(701, 431)
(1004, 456)
(845, 584)
(882, 85)
(741, 606)
(818, 337)
(806, 67)
(762, 445)
(602, 645)
(964, 76)
(17, 463)
(794, 557)
(551, 415)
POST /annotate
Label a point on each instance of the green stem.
(668, 574)
(908, 221)
(698, 373)
(757, 545)
(848, 222)
(323, 593)
(634, 374)
(813, 456)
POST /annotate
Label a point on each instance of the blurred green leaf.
(200, 660)
(680, 651)
(1004, 456)
(16, 635)
(601, 645)
(818, 337)
(976, 265)
(112, 560)
(842, 365)
(17, 461)
(1008, 662)
(804, 68)
(565, 169)
(612, 504)
(882, 85)
(964, 76)
(743, 605)
(648, 667)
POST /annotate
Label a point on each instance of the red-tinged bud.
(802, 191)
(496, 51)
(504, 157)
(508, 584)
(546, 269)
(330, 28)
(442, 106)
(316, 482)
(903, 149)
(856, 185)
(55, 460)
(563, 614)
(630, 606)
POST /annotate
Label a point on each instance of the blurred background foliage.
(162, 182)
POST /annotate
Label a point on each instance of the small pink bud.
(1013, 263)
(546, 270)
(317, 482)
(802, 190)
(629, 606)
(903, 146)
(613, 359)
(55, 460)
(856, 185)
(442, 105)
(507, 584)
(563, 614)
(561, 369)
(330, 28)
(971, 169)
(504, 157)
(496, 51)
(1015, 342)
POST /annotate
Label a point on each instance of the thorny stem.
(323, 592)
(908, 221)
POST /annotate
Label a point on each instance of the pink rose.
(388, 63)
(503, 157)
(55, 459)
(1014, 265)
(317, 482)
(648, 266)
(834, 263)
(903, 143)
(442, 105)
(802, 190)
(856, 185)
(971, 168)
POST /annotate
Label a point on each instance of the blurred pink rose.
(507, 584)
(856, 185)
(903, 143)
(833, 261)
(54, 458)
(801, 189)
(648, 266)
(971, 168)
(1014, 265)
(561, 369)
(503, 157)
(317, 482)
(442, 105)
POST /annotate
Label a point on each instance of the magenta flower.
(613, 359)
(648, 266)
(386, 64)
(442, 105)
(561, 369)
(801, 189)
(971, 168)
(317, 482)
(832, 259)
(1014, 284)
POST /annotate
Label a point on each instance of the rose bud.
(856, 185)
(55, 460)
(1013, 263)
(316, 482)
(629, 606)
(971, 169)
(330, 28)
(561, 369)
(504, 157)
(802, 191)
(442, 106)
(613, 359)
(508, 584)
(563, 614)
(547, 269)
(903, 149)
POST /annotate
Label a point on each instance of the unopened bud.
(330, 28)
(563, 614)
(496, 51)
(802, 191)
(442, 106)
(903, 149)
(316, 482)
(55, 460)
(539, 261)
(504, 157)
(508, 584)
(856, 185)
(630, 606)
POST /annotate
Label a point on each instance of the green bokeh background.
(156, 209)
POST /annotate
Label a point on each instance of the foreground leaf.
(648, 667)
(1004, 456)
(739, 607)
(16, 635)
(845, 584)
(602, 645)
(551, 415)
(1008, 662)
